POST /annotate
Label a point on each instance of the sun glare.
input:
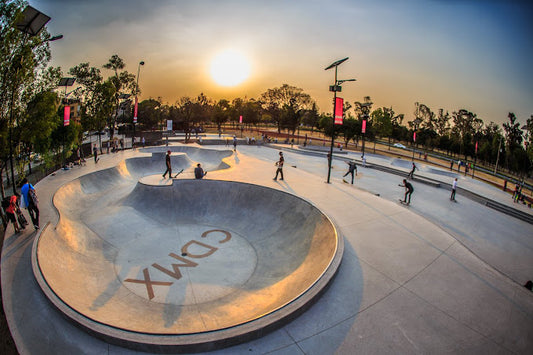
(230, 68)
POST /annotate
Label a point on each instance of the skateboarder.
(454, 187)
(352, 168)
(412, 172)
(408, 191)
(199, 172)
(169, 165)
(279, 164)
(95, 153)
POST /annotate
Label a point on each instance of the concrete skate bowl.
(421, 167)
(193, 266)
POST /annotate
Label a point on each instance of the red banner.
(339, 105)
(414, 136)
(240, 119)
(66, 116)
(363, 128)
(476, 147)
(135, 110)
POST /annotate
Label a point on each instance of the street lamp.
(336, 87)
(136, 102)
(416, 122)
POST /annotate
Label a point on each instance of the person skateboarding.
(412, 172)
(168, 164)
(352, 168)
(408, 192)
(279, 164)
(454, 188)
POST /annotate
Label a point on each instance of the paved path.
(434, 277)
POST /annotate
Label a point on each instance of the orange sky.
(446, 54)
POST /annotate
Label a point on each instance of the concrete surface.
(175, 260)
(435, 277)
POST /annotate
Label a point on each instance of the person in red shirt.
(11, 212)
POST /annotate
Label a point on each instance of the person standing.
(11, 210)
(169, 165)
(78, 155)
(352, 168)
(29, 199)
(234, 143)
(412, 172)
(279, 164)
(408, 191)
(143, 141)
(199, 172)
(95, 153)
(454, 188)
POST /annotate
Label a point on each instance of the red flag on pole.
(66, 116)
(240, 119)
(414, 136)
(135, 110)
(476, 147)
(363, 128)
(339, 105)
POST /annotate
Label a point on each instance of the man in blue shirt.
(29, 199)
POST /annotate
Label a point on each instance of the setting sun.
(230, 68)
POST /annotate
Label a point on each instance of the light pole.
(363, 131)
(335, 87)
(498, 156)
(475, 160)
(135, 111)
(416, 122)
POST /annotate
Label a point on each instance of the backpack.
(32, 197)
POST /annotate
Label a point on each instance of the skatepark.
(296, 266)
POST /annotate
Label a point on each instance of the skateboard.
(403, 203)
(179, 172)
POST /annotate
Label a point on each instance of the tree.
(442, 123)
(515, 157)
(221, 113)
(23, 74)
(123, 82)
(184, 113)
(465, 124)
(149, 114)
(311, 117)
(275, 100)
(513, 133)
(382, 121)
(97, 97)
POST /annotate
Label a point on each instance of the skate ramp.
(406, 164)
(198, 263)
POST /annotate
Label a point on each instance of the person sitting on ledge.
(199, 172)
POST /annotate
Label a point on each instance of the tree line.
(31, 111)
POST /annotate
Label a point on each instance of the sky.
(451, 54)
